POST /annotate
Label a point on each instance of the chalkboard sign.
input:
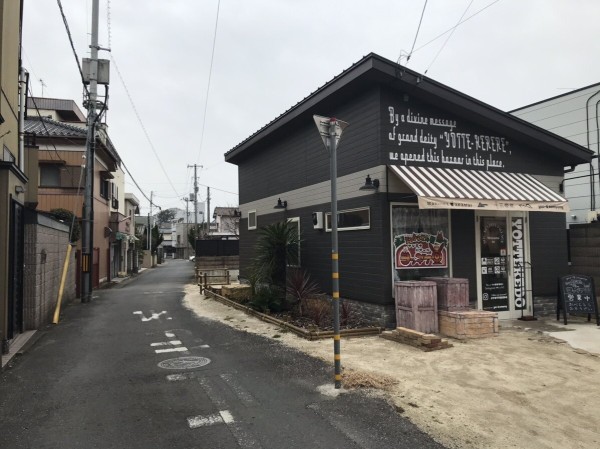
(576, 294)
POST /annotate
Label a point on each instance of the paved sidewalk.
(579, 333)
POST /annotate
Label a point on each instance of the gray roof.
(46, 127)
(225, 211)
(66, 109)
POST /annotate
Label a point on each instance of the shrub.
(266, 299)
(300, 287)
(68, 218)
(318, 310)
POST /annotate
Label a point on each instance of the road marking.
(223, 417)
(153, 316)
(178, 349)
(239, 391)
(169, 335)
(167, 343)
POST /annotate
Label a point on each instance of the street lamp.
(331, 130)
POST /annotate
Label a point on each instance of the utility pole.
(208, 208)
(149, 234)
(195, 198)
(87, 239)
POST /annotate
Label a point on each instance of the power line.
(209, 78)
(416, 35)
(448, 38)
(62, 13)
(142, 123)
(460, 23)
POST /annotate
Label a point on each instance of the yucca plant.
(277, 243)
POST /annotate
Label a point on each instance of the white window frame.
(353, 228)
(250, 213)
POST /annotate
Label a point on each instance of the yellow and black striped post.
(330, 130)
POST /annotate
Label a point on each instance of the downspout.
(587, 134)
(23, 75)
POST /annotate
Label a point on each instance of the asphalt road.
(135, 369)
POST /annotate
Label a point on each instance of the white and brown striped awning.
(446, 188)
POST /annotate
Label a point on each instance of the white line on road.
(223, 417)
(178, 349)
(167, 343)
(169, 335)
(153, 316)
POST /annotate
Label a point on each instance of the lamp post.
(331, 130)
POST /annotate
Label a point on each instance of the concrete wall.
(46, 242)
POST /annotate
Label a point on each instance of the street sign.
(323, 125)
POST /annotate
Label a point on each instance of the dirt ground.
(522, 389)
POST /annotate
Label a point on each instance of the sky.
(197, 77)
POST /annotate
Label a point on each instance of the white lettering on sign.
(518, 264)
(421, 141)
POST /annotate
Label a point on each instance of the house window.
(251, 220)
(295, 262)
(104, 188)
(50, 175)
(8, 156)
(351, 219)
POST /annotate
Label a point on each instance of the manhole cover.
(184, 363)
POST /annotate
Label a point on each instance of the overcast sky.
(270, 54)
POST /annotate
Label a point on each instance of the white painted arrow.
(153, 316)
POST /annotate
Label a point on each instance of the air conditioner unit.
(317, 218)
(593, 216)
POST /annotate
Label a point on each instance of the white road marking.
(178, 349)
(169, 334)
(153, 316)
(167, 343)
(223, 417)
(178, 377)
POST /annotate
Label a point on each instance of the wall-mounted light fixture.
(280, 204)
(370, 184)
(19, 189)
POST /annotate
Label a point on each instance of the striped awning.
(446, 188)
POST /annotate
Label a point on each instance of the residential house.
(227, 221)
(13, 178)
(430, 183)
(130, 253)
(61, 148)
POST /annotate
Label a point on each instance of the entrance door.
(501, 263)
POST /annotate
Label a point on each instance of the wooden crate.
(452, 293)
(468, 324)
(416, 305)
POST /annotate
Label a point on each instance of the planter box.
(236, 292)
(468, 324)
(452, 293)
(416, 305)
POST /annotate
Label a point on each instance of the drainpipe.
(23, 76)
(587, 128)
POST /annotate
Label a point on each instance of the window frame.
(56, 167)
(349, 228)
(299, 261)
(250, 213)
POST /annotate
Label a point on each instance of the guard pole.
(335, 275)
(61, 288)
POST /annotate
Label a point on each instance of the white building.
(574, 116)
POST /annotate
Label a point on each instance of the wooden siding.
(548, 241)
(365, 265)
(299, 158)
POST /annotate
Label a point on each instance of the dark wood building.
(464, 190)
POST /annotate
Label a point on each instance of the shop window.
(251, 220)
(351, 219)
(295, 250)
(50, 175)
(420, 242)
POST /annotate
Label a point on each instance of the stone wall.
(46, 242)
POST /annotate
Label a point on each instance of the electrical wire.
(212, 57)
(141, 123)
(416, 35)
(448, 38)
(62, 13)
(450, 29)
